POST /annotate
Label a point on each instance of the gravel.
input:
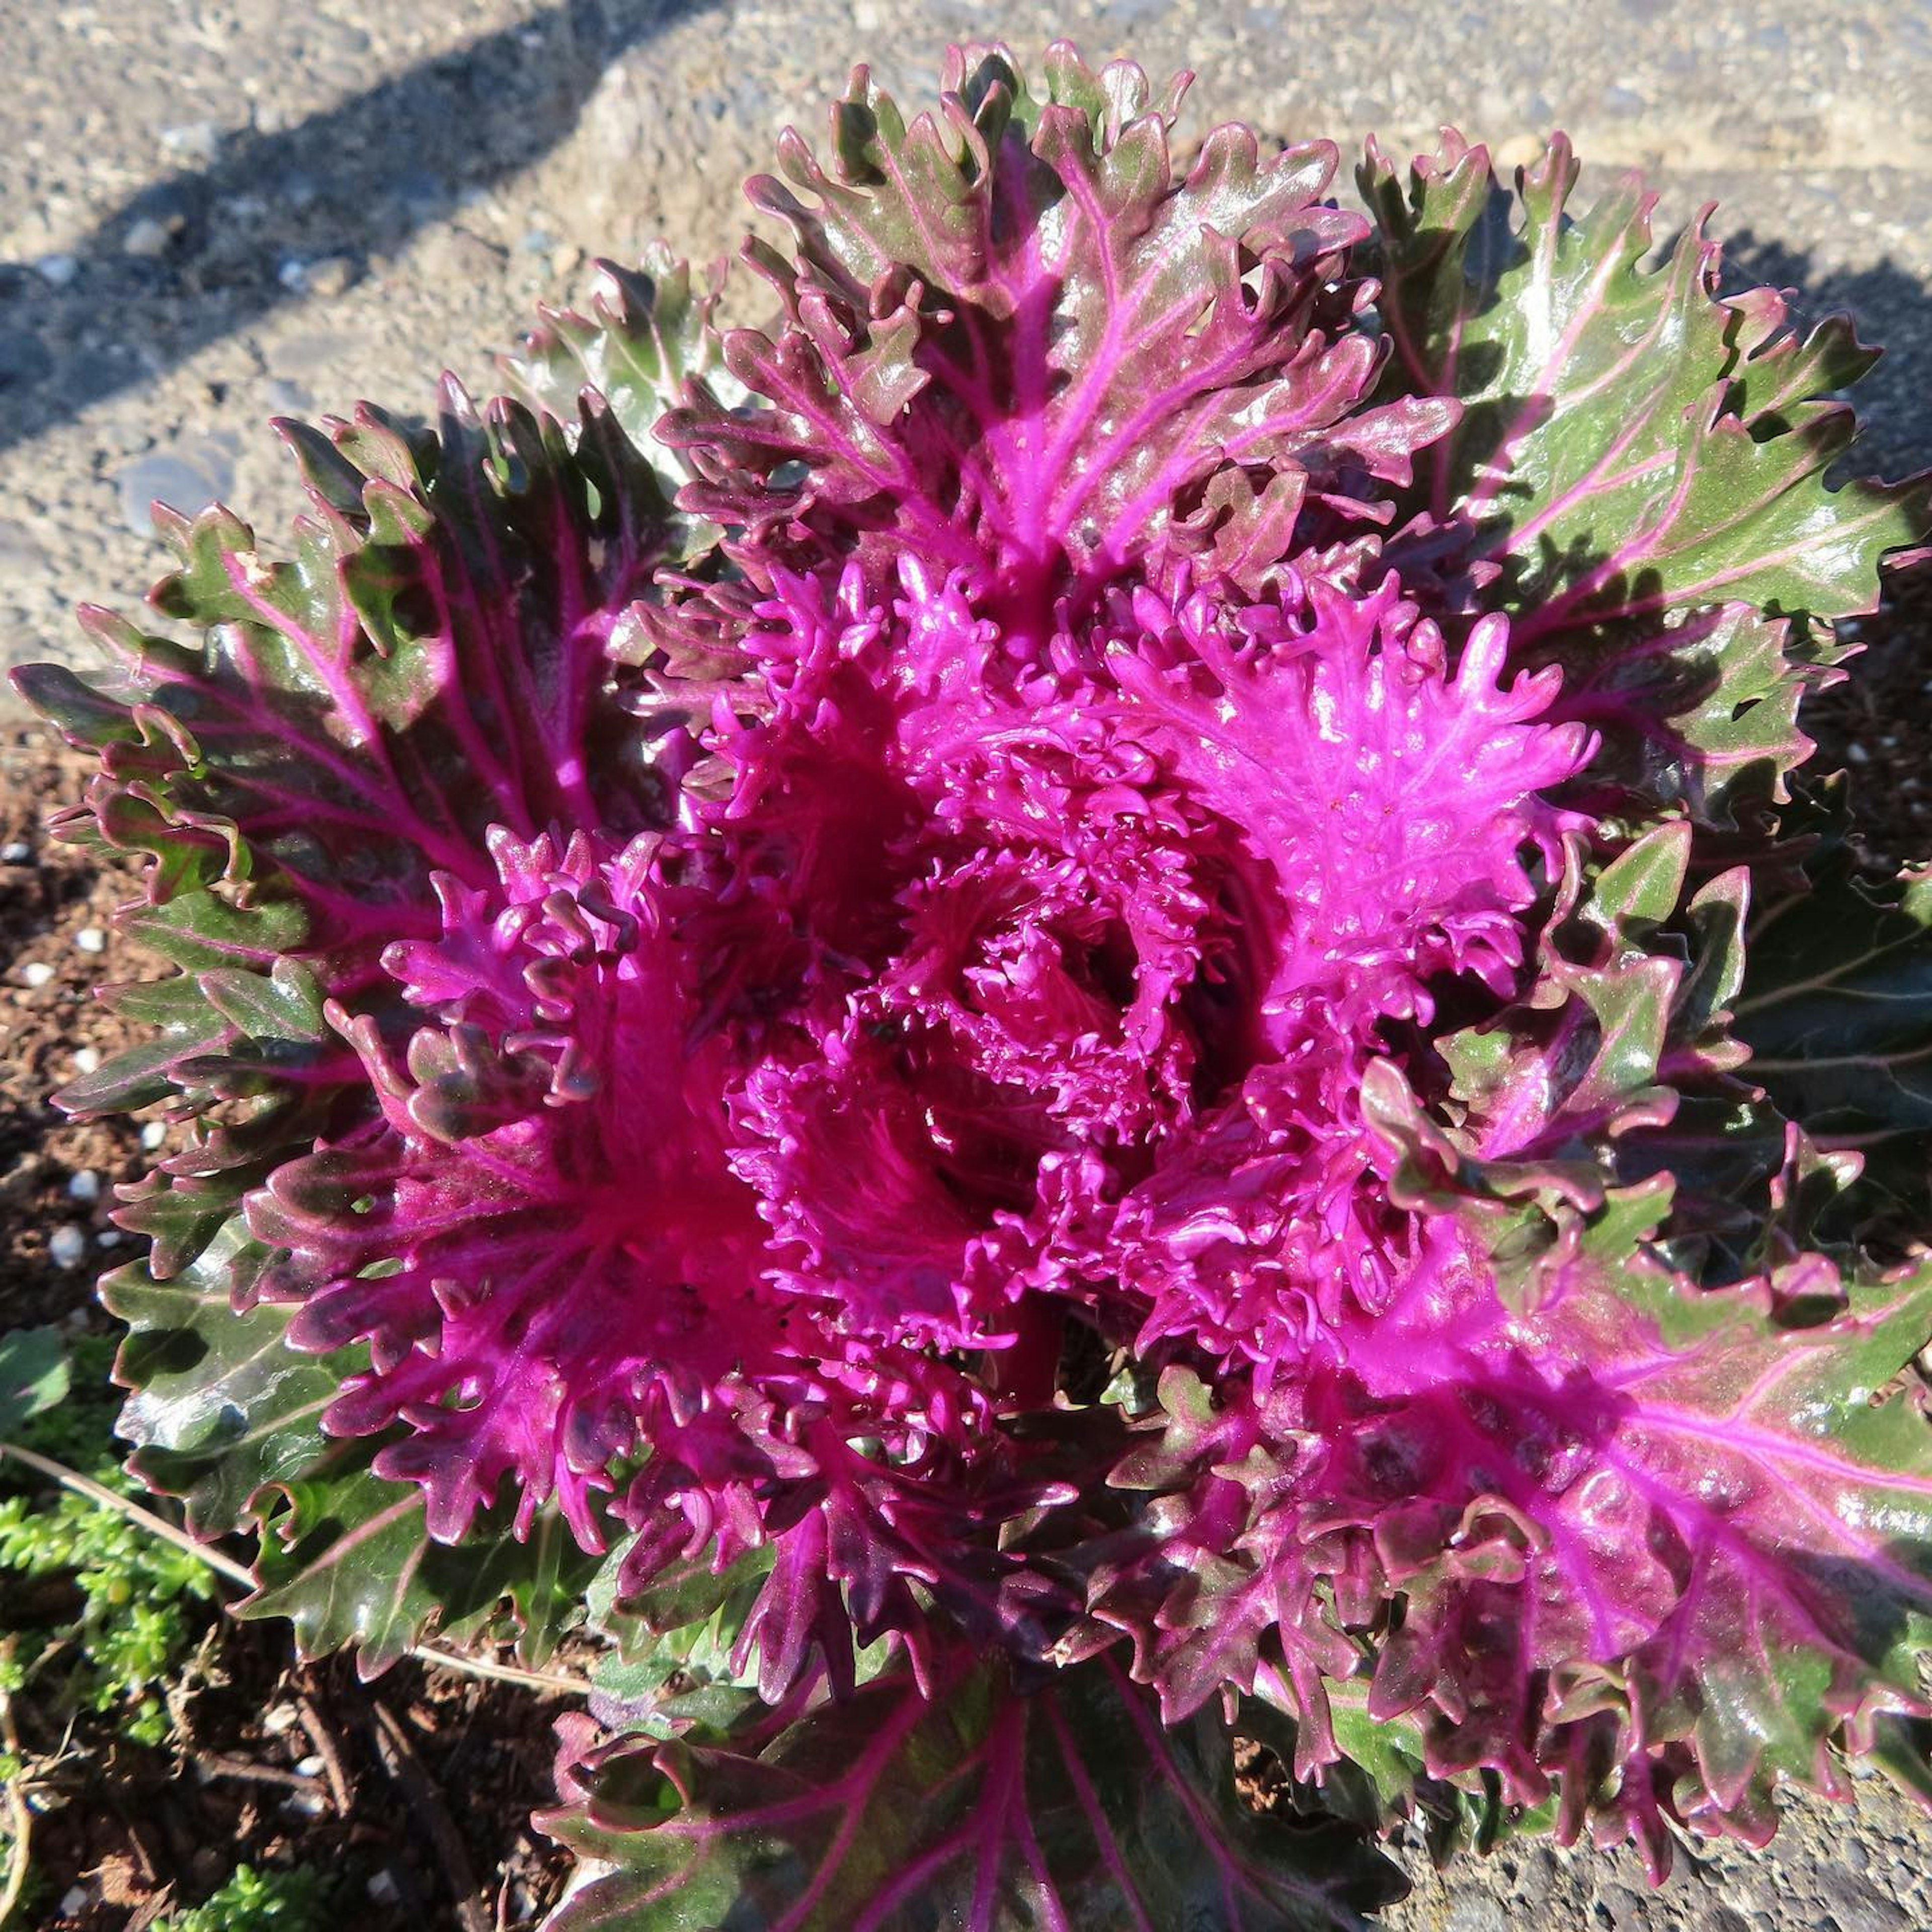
(225, 211)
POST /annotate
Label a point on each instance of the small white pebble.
(310, 1766)
(108, 1237)
(383, 1887)
(15, 852)
(85, 1186)
(278, 1718)
(86, 1059)
(1858, 754)
(68, 1245)
(91, 939)
(74, 1901)
(304, 1805)
(36, 973)
(153, 1133)
(76, 1320)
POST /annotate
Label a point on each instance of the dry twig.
(20, 1819)
(399, 1760)
(326, 1748)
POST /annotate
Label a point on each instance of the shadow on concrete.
(230, 239)
(1892, 308)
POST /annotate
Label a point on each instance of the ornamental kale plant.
(1085, 1003)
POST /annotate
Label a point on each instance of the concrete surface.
(213, 213)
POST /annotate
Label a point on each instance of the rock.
(57, 271)
(330, 277)
(1721, 1918)
(298, 359)
(15, 852)
(67, 1246)
(1626, 1906)
(20, 548)
(1477, 1915)
(1857, 1906)
(91, 939)
(147, 238)
(419, 196)
(85, 1187)
(196, 141)
(187, 476)
(36, 973)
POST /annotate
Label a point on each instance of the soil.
(139, 1832)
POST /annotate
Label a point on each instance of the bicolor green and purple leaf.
(1017, 340)
(985, 1807)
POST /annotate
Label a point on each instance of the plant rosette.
(1086, 1002)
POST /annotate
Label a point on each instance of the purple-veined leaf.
(986, 1808)
(1652, 1551)
(1629, 444)
(1016, 342)
(1638, 472)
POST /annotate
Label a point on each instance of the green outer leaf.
(33, 1375)
(1382, 1779)
(1630, 444)
(1837, 1009)
(346, 1557)
(220, 1404)
(227, 1416)
(985, 1811)
(647, 335)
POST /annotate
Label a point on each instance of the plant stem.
(237, 1574)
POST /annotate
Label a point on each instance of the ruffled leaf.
(1634, 459)
(648, 334)
(220, 1406)
(1629, 443)
(1018, 343)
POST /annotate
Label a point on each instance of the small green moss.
(253, 1901)
(138, 1594)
